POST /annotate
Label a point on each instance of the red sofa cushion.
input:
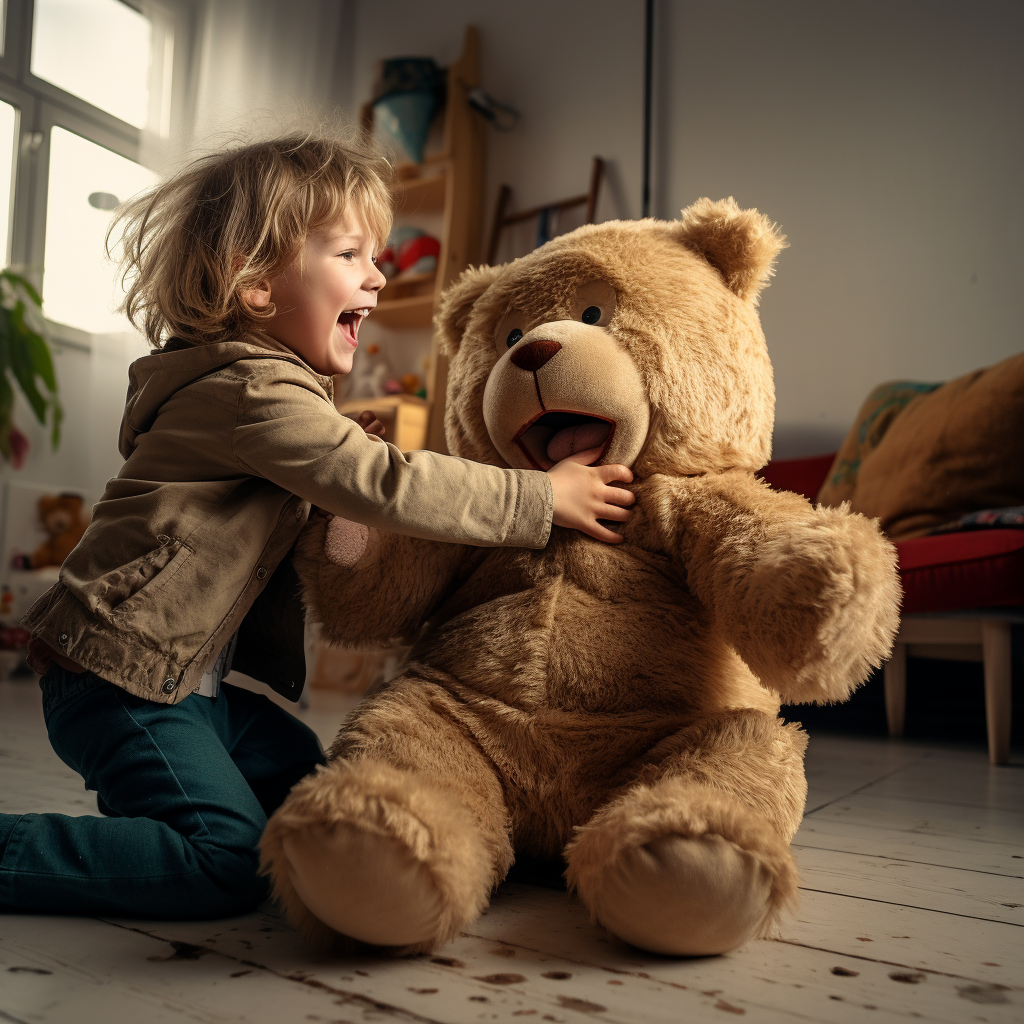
(804, 476)
(946, 572)
(953, 571)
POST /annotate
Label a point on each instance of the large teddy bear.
(613, 704)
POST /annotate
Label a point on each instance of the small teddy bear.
(615, 705)
(61, 517)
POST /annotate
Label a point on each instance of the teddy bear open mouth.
(553, 436)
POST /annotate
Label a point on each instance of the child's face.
(320, 306)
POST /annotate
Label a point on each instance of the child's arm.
(288, 434)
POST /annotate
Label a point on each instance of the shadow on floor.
(945, 703)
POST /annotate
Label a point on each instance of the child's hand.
(370, 424)
(582, 495)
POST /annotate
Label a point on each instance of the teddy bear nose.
(535, 355)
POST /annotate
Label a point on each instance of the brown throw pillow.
(946, 452)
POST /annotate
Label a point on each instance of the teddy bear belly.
(560, 648)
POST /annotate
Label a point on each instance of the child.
(250, 273)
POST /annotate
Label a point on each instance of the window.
(84, 185)
(8, 141)
(82, 83)
(98, 50)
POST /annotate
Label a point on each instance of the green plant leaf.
(42, 362)
(25, 355)
(21, 366)
(6, 399)
(26, 284)
(58, 419)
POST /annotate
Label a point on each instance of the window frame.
(41, 106)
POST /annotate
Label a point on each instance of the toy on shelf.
(62, 520)
(408, 93)
(371, 372)
(409, 251)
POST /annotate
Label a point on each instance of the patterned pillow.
(880, 408)
(987, 519)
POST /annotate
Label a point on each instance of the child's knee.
(228, 880)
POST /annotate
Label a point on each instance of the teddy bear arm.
(367, 586)
(808, 596)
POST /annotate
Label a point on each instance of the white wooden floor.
(911, 858)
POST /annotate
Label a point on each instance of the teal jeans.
(186, 790)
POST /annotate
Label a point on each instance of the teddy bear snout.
(533, 356)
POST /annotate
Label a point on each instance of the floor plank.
(957, 778)
(838, 766)
(904, 936)
(925, 817)
(81, 971)
(969, 853)
(975, 894)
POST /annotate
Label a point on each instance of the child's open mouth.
(349, 322)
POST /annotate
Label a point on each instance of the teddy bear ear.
(740, 244)
(457, 301)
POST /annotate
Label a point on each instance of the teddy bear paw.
(345, 541)
(684, 895)
(364, 885)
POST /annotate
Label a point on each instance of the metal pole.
(648, 77)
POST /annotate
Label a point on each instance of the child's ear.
(740, 244)
(457, 301)
(258, 297)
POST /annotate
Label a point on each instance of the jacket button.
(169, 685)
(63, 638)
(261, 573)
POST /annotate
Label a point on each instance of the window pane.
(8, 141)
(100, 50)
(86, 182)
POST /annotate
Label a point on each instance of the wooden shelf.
(406, 286)
(448, 182)
(405, 417)
(423, 194)
(413, 311)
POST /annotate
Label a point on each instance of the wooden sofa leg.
(895, 674)
(995, 643)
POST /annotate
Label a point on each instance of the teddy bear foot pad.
(364, 885)
(684, 895)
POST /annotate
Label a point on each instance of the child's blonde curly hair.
(196, 242)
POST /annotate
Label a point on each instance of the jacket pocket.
(115, 594)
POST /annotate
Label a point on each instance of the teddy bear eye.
(513, 336)
(591, 315)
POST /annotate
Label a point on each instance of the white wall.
(884, 137)
(92, 391)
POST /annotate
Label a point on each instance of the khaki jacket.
(227, 446)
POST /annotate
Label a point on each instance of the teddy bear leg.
(373, 851)
(693, 858)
